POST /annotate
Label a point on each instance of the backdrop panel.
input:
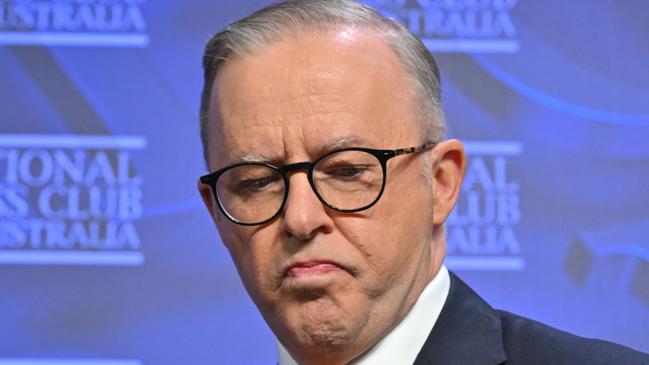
(108, 257)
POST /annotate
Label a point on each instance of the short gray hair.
(277, 22)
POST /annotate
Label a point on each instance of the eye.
(347, 171)
(256, 184)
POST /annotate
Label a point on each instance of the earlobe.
(448, 173)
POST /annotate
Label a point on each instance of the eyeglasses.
(345, 180)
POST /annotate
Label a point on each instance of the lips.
(311, 268)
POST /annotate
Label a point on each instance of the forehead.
(307, 91)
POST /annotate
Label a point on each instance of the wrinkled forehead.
(314, 88)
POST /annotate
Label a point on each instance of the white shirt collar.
(403, 343)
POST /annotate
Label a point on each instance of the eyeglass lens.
(345, 180)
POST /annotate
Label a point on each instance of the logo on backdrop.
(456, 25)
(481, 230)
(69, 199)
(106, 23)
(615, 254)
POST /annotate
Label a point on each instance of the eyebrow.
(251, 157)
(338, 143)
(322, 148)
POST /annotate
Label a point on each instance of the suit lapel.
(468, 331)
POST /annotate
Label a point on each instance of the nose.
(304, 215)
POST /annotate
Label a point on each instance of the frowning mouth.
(311, 268)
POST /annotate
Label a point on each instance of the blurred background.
(107, 256)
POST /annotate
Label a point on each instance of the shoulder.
(469, 331)
(529, 342)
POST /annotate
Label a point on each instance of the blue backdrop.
(107, 256)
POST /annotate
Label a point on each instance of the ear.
(449, 166)
(208, 198)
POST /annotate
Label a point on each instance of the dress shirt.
(402, 344)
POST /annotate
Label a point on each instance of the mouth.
(311, 268)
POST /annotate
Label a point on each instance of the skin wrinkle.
(336, 318)
(324, 148)
(322, 103)
(274, 133)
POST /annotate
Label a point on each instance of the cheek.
(251, 254)
(406, 228)
(407, 205)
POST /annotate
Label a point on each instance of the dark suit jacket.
(470, 332)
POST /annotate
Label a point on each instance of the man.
(330, 183)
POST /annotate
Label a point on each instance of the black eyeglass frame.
(383, 156)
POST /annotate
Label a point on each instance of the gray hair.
(277, 22)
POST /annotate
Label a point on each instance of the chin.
(321, 324)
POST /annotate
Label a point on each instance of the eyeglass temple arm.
(423, 147)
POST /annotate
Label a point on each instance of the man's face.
(322, 279)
